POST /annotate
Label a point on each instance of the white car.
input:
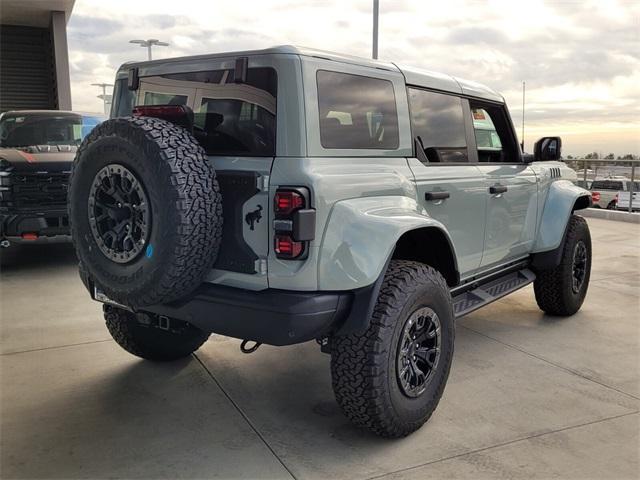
(605, 191)
(622, 201)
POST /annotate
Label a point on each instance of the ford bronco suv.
(37, 148)
(286, 195)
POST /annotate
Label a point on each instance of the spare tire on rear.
(145, 210)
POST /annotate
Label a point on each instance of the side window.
(486, 134)
(494, 140)
(356, 112)
(438, 125)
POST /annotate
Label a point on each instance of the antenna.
(522, 144)
(376, 9)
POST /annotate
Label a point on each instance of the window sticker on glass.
(478, 114)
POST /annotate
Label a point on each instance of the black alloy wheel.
(119, 213)
(418, 352)
(579, 266)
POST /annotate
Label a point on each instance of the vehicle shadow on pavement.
(137, 420)
(34, 257)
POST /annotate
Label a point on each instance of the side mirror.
(547, 148)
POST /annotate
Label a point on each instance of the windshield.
(33, 129)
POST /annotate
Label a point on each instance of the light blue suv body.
(286, 195)
(390, 159)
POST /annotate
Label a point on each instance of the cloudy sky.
(580, 59)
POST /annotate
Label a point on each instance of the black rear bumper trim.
(274, 317)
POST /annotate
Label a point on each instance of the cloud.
(580, 60)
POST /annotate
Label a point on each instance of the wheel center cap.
(120, 214)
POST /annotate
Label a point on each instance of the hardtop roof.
(413, 76)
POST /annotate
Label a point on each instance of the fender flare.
(358, 244)
(361, 235)
(563, 198)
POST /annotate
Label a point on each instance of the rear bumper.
(274, 317)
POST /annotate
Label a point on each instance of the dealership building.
(34, 58)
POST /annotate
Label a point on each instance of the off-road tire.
(554, 287)
(184, 202)
(363, 367)
(140, 335)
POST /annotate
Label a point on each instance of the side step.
(491, 291)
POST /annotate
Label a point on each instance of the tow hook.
(244, 349)
(163, 322)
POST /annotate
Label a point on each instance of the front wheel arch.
(582, 202)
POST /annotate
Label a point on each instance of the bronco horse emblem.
(253, 217)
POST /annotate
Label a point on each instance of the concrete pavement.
(529, 396)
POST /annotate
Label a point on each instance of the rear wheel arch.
(430, 246)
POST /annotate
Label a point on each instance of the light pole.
(375, 29)
(150, 43)
(106, 99)
(523, 89)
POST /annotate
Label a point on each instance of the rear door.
(511, 186)
(235, 122)
(449, 186)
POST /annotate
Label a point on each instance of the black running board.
(491, 291)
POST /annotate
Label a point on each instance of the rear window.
(356, 112)
(607, 185)
(230, 119)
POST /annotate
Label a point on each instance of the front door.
(449, 187)
(511, 187)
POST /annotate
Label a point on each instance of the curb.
(610, 215)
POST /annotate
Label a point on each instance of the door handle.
(495, 189)
(436, 195)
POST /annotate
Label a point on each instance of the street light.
(106, 99)
(150, 43)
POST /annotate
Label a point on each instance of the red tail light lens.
(179, 114)
(286, 247)
(595, 196)
(159, 111)
(287, 202)
(29, 236)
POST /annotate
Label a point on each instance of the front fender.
(561, 199)
(360, 236)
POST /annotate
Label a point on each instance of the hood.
(38, 159)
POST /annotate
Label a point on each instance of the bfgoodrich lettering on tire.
(145, 210)
(390, 379)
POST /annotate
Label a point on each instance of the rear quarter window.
(356, 112)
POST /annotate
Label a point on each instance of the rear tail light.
(29, 236)
(287, 201)
(287, 247)
(595, 196)
(294, 222)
